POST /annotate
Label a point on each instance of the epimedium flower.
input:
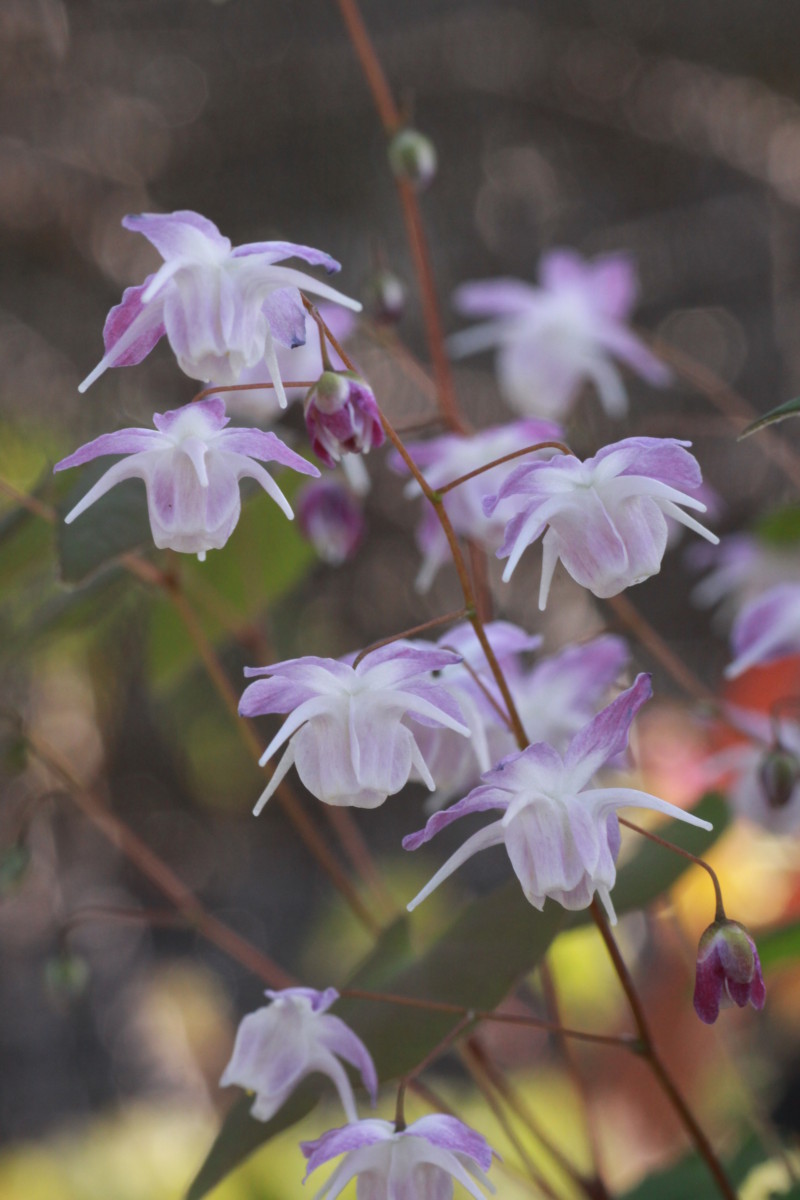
(419, 1162)
(342, 417)
(766, 629)
(561, 835)
(553, 338)
(222, 307)
(294, 1036)
(728, 970)
(346, 727)
(443, 459)
(330, 517)
(605, 517)
(191, 465)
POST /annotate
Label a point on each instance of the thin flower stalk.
(454, 483)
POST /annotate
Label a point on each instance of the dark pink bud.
(342, 416)
(728, 969)
(330, 517)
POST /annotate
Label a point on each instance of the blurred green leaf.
(264, 558)
(654, 869)
(241, 1135)
(780, 528)
(115, 525)
(791, 408)
(691, 1178)
(779, 945)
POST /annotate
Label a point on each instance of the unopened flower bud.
(386, 297)
(412, 156)
(330, 518)
(778, 774)
(728, 967)
(342, 416)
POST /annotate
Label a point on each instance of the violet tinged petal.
(494, 297)
(563, 268)
(318, 673)
(543, 854)
(340, 1141)
(287, 320)
(274, 695)
(273, 252)
(340, 1039)
(267, 447)
(325, 766)
(481, 799)
(665, 459)
(505, 639)
(389, 665)
(131, 331)
(418, 705)
(124, 441)
(186, 516)
(327, 1064)
(451, 1134)
(183, 234)
(606, 735)
(429, 1153)
(492, 835)
(766, 629)
(613, 285)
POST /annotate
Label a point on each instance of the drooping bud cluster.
(342, 417)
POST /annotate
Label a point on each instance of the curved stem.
(445, 619)
(391, 120)
(700, 862)
(249, 387)
(496, 462)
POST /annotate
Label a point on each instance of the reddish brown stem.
(496, 462)
(649, 1052)
(700, 862)
(445, 619)
(644, 632)
(415, 231)
(249, 387)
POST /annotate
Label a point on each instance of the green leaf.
(780, 528)
(790, 409)
(691, 1177)
(117, 524)
(779, 945)
(241, 1135)
(264, 558)
(654, 869)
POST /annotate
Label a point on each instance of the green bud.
(412, 156)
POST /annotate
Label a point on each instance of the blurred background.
(671, 130)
